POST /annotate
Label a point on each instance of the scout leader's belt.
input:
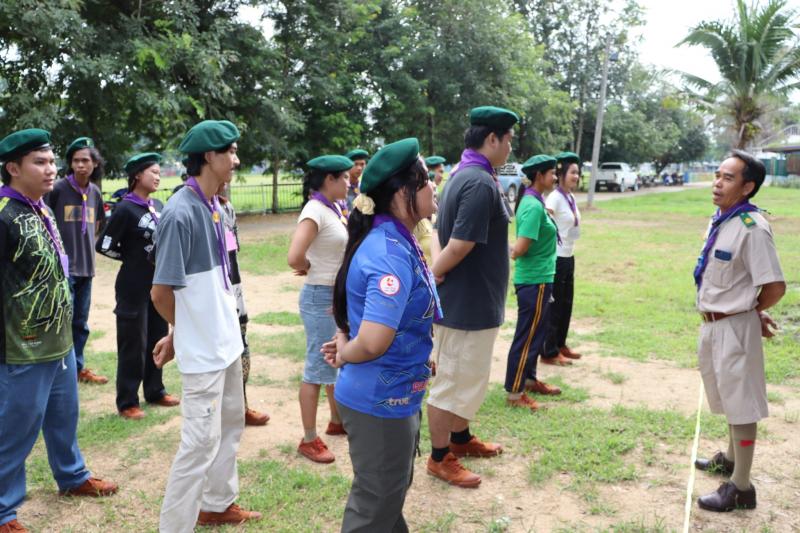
(713, 317)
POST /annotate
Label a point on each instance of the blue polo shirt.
(386, 284)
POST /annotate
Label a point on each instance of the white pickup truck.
(616, 177)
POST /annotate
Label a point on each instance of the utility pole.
(598, 127)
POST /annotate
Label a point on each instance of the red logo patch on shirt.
(389, 285)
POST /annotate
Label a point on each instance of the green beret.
(79, 144)
(434, 160)
(357, 154)
(208, 136)
(495, 117)
(388, 161)
(21, 142)
(538, 163)
(330, 163)
(567, 158)
(138, 162)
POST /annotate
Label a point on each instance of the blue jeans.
(81, 288)
(38, 397)
(316, 305)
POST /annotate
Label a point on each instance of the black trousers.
(561, 308)
(139, 327)
(533, 305)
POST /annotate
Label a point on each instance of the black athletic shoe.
(728, 498)
(716, 465)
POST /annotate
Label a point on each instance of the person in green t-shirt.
(534, 255)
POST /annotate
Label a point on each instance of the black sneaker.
(716, 465)
(728, 498)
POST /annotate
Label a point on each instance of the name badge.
(722, 255)
(230, 241)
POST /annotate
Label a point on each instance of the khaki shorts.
(731, 359)
(463, 362)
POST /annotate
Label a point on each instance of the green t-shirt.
(539, 264)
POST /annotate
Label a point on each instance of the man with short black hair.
(738, 277)
(359, 158)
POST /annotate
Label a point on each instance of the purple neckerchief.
(38, 208)
(214, 209)
(472, 158)
(84, 197)
(408, 236)
(147, 204)
(318, 196)
(530, 191)
(571, 202)
(716, 222)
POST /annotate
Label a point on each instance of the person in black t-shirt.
(128, 237)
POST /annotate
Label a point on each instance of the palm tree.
(758, 57)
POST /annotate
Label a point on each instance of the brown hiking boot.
(87, 376)
(335, 429)
(452, 471)
(316, 450)
(476, 448)
(523, 401)
(167, 400)
(92, 487)
(232, 515)
(569, 354)
(133, 413)
(540, 387)
(13, 527)
(558, 360)
(254, 418)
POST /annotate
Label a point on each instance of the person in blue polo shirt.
(384, 304)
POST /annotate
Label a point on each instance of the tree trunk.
(579, 137)
(276, 165)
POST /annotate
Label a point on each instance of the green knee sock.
(729, 455)
(744, 437)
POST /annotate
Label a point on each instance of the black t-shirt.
(128, 237)
(472, 209)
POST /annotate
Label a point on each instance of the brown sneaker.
(523, 401)
(254, 418)
(476, 448)
(316, 450)
(558, 360)
(452, 471)
(232, 515)
(167, 400)
(13, 527)
(335, 429)
(133, 413)
(87, 376)
(569, 354)
(92, 487)
(540, 387)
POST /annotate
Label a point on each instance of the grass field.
(610, 454)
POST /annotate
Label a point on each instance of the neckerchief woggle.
(716, 222)
(38, 208)
(147, 204)
(530, 191)
(214, 209)
(571, 202)
(438, 314)
(318, 196)
(84, 197)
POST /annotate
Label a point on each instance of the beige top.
(742, 260)
(327, 249)
(423, 232)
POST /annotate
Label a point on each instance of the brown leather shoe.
(92, 487)
(558, 360)
(335, 429)
(728, 498)
(254, 418)
(133, 413)
(569, 354)
(87, 376)
(168, 400)
(718, 464)
(476, 448)
(452, 471)
(232, 515)
(13, 527)
(523, 401)
(316, 450)
(540, 387)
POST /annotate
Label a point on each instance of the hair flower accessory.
(365, 204)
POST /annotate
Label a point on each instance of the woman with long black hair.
(384, 304)
(128, 237)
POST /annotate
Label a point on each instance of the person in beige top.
(738, 277)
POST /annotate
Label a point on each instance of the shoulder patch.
(389, 285)
(3, 203)
(747, 220)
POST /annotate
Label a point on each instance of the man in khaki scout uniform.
(738, 277)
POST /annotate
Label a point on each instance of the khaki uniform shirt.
(742, 260)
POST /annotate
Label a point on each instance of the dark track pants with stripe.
(533, 304)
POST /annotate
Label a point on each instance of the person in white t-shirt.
(316, 251)
(561, 202)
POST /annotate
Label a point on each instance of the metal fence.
(252, 199)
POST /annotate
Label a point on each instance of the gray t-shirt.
(66, 204)
(472, 209)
